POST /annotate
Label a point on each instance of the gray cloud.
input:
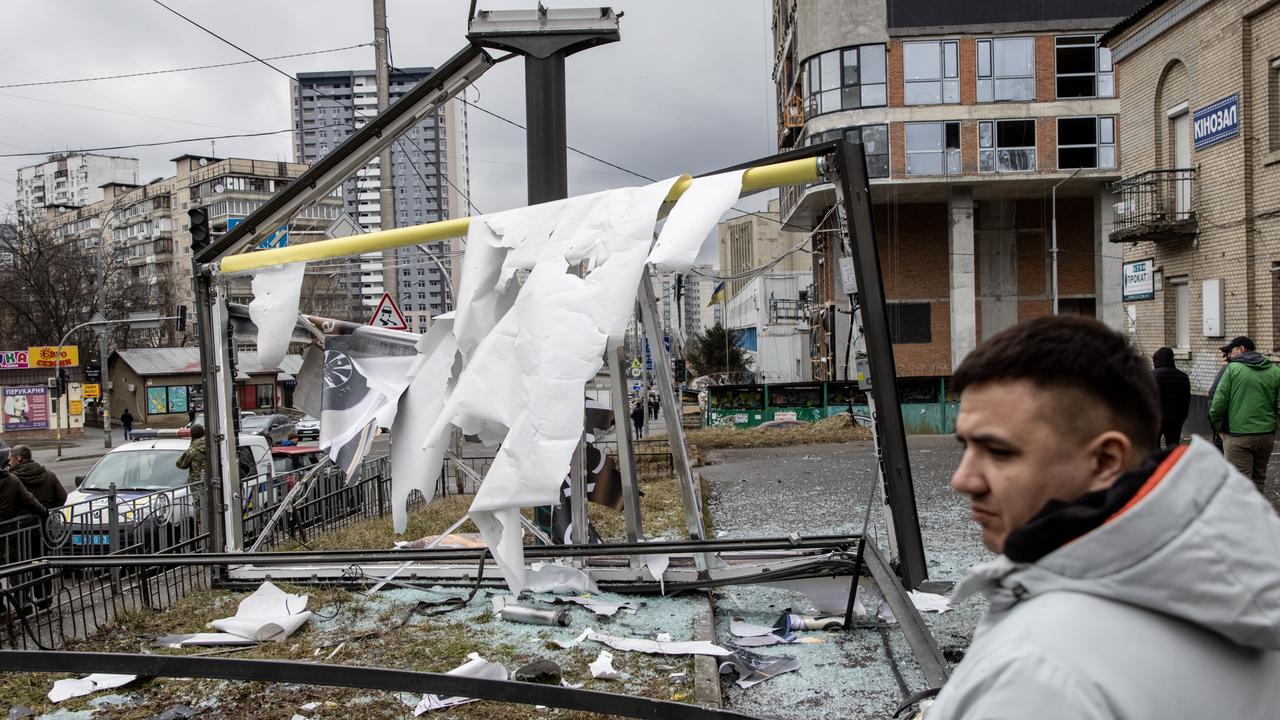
(687, 89)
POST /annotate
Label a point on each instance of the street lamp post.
(139, 319)
(1053, 247)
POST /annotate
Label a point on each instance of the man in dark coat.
(637, 417)
(126, 420)
(15, 500)
(1175, 396)
(39, 480)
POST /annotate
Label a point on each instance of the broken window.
(933, 148)
(1006, 145)
(846, 79)
(1083, 68)
(875, 143)
(931, 72)
(1086, 142)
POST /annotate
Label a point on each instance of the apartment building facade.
(71, 180)
(148, 226)
(429, 172)
(1198, 209)
(970, 116)
(752, 240)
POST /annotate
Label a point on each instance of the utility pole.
(386, 190)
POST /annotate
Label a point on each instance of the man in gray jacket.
(1129, 583)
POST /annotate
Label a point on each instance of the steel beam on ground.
(366, 678)
(923, 645)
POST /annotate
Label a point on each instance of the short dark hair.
(22, 452)
(1073, 353)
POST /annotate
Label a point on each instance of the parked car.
(308, 428)
(273, 427)
(153, 501)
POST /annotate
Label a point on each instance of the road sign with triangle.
(388, 315)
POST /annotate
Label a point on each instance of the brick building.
(970, 113)
(1198, 210)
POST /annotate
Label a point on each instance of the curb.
(66, 458)
(706, 671)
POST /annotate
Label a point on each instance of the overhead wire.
(176, 70)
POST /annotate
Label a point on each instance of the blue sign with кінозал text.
(1216, 122)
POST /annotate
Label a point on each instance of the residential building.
(969, 116)
(772, 325)
(1198, 210)
(71, 179)
(752, 240)
(429, 172)
(680, 301)
(146, 228)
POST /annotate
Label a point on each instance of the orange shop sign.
(47, 356)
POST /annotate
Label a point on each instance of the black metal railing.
(1154, 201)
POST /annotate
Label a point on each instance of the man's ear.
(1111, 453)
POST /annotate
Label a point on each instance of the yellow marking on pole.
(764, 177)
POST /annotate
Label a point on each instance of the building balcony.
(1157, 205)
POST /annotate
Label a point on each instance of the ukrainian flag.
(718, 295)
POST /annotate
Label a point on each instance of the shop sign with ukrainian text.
(1139, 280)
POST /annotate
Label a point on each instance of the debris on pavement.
(929, 602)
(753, 669)
(657, 567)
(602, 667)
(558, 579)
(268, 614)
(541, 671)
(75, 687)
(511, 612)
(176, 712)
(600, 608)
(204, 639)
(475, 667)
(652, 647)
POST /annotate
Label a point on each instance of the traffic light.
(62, 381)
(182, 318)
(678, 370)
(199, 226)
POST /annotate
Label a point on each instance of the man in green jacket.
(1244, 407)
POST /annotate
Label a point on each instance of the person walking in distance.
(637, 417)
(1130, 582)
(1175, 396)
(39, 480)
(126, 421)
(1243, 409)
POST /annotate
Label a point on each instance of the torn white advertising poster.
(274, 309)
(558, 579)
(475, 667)
(364, 376)
(600, 608)
(207, 639)
(754, 669)
(929, 602)
(657, 567)
(420, 405)
(694, 216)
(602, 667)
(652, 647)
(75, 687)
(748, 635)
(528, 358)
(268, 614)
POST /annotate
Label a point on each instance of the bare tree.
(50, 284)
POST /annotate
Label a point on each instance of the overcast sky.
(686, 90)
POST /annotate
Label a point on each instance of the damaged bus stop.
(545, 295)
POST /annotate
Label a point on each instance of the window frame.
(876, 169)
(815, 88)
(994, 148)
(1100, 121)
(945, 153)
(991, 76)
(1273, 109)
(1100, 54)
(943, 81)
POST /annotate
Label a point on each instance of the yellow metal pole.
(764, 177)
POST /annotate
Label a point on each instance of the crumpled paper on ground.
(268, 614)
(693, 217)
(657, 567)
(602, 667)
(652, 647)
(277, 291)
(753, 669)
(558, 579)
(75, 687)
(209, 639)
(475, 667)
(929, 602)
